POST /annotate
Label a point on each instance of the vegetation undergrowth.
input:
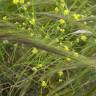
(47, 48)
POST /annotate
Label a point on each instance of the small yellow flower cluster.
(34, 51)
(62, 21)
(18, 1)
(5, 18)
(47, 36)
(75, 54)
(66, 48)
(58, 28)
(62, 30)
(68, 59)
(66, 12)
(32, 21)
(39, 65)
(83, 38)
(56, 9)
(43, 84)
(25, 8)
(77, 40)
(28, 3)
(60, 73)
(77, 17)
(15, 1)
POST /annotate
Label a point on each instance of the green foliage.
(47, 48)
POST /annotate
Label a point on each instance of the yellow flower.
(60, 73)
(15, 1)
(62, 30)
(58, 28)
(33, 22)
(83, 38)
(62, 21)
(68, 59)
(21, 1)
(56, 9)
(47, 36)
(28, 3)
(4, 18)
(66, 12)
(43, 84)
(75, 54)
(25, 8)
(77, 17)
(66, 48)
(39, 65)
(34, 51)
(77, 40)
